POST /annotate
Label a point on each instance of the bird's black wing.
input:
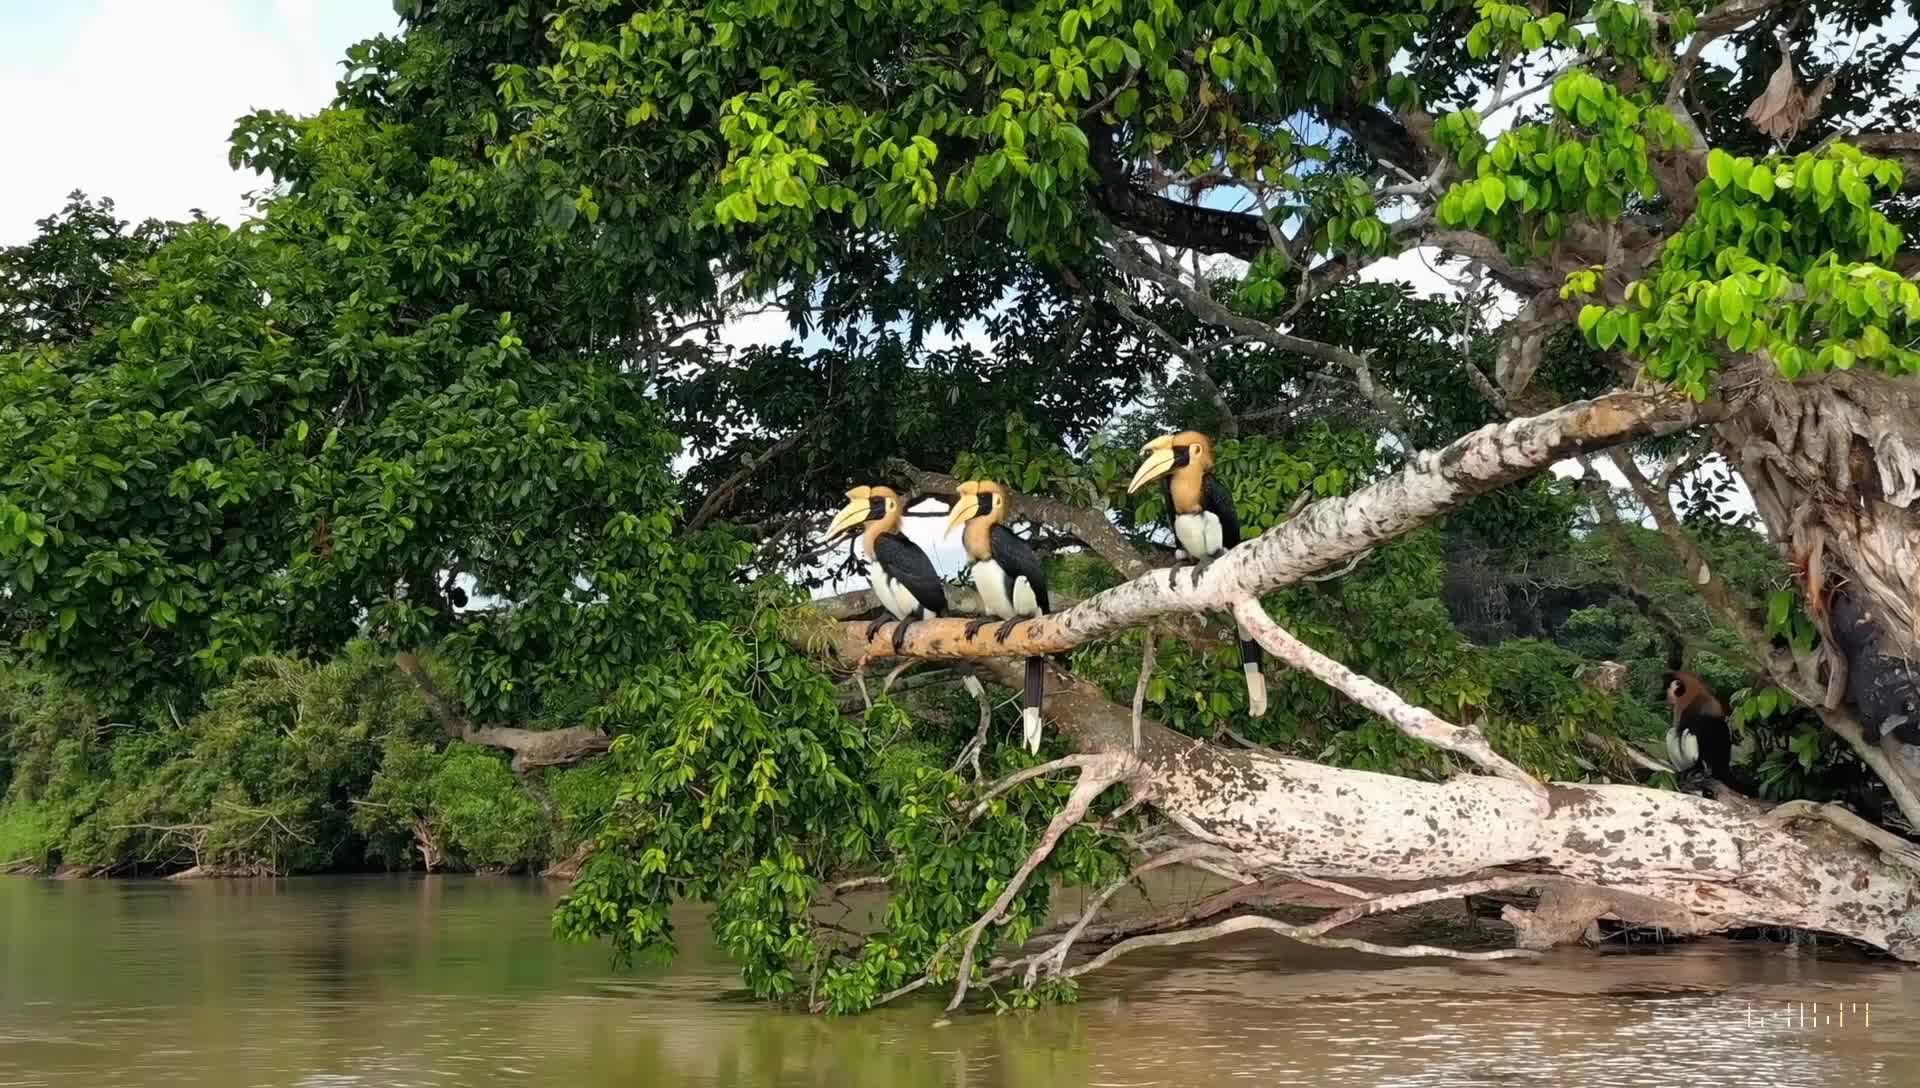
(909, 566)
(1716, 742)
(1016, 557)
(1219, 501)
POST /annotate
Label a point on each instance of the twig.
(1332, 575)
(1140, 686)
(1128, 254)
(972, 750)
(722, 496)
(1028, 774)
(887, 684)
(1056, 955)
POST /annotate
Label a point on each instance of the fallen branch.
(1302, 934)
(1056, 955)
(1402, 900)
(1891, 845)
(531, 748)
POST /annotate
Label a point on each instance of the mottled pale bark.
(1326, 534)
(1687, 864)
(1834, 469)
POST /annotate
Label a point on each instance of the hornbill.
(1699, 734)
(1204, 522)
(902, 575)
(1010, 580)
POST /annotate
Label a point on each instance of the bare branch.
(722, 496)
(1132, 257)
(1416, 722)
(1302, 934)
(1094, 780)
(1140, 686)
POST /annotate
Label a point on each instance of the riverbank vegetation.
(448, 514)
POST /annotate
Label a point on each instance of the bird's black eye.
(986, 502)
(1181, 456)
(877, 509)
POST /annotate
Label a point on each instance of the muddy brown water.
(329, 983)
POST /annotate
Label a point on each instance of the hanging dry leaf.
(1783, 108)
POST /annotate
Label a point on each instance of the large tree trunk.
(1834, 468)
(1653, 857)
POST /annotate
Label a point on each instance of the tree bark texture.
(1834, 468)
(1685, 863)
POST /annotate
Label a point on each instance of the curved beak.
(965, 508)
(1159, 462)
(850, 516)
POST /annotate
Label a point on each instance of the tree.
(470, 344)
(1751, 261)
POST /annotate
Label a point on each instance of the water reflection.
(398, 981)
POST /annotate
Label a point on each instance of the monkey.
(1699, 738)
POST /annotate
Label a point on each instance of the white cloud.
(136, 99)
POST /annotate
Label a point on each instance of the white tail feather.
(1256, 689)
(1030, 727)
(972, 684)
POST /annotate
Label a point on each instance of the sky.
(135, 100)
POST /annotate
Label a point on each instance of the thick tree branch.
(531, 748)
(1188, 226)
(1901, 147)
(1326, 534)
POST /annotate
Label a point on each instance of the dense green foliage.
(459, 387)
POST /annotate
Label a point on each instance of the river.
(337, 982)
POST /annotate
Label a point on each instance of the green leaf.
(1493, 192)
(1720, 167)
(1590, 316)
(1760, 183)
(1606, 331)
